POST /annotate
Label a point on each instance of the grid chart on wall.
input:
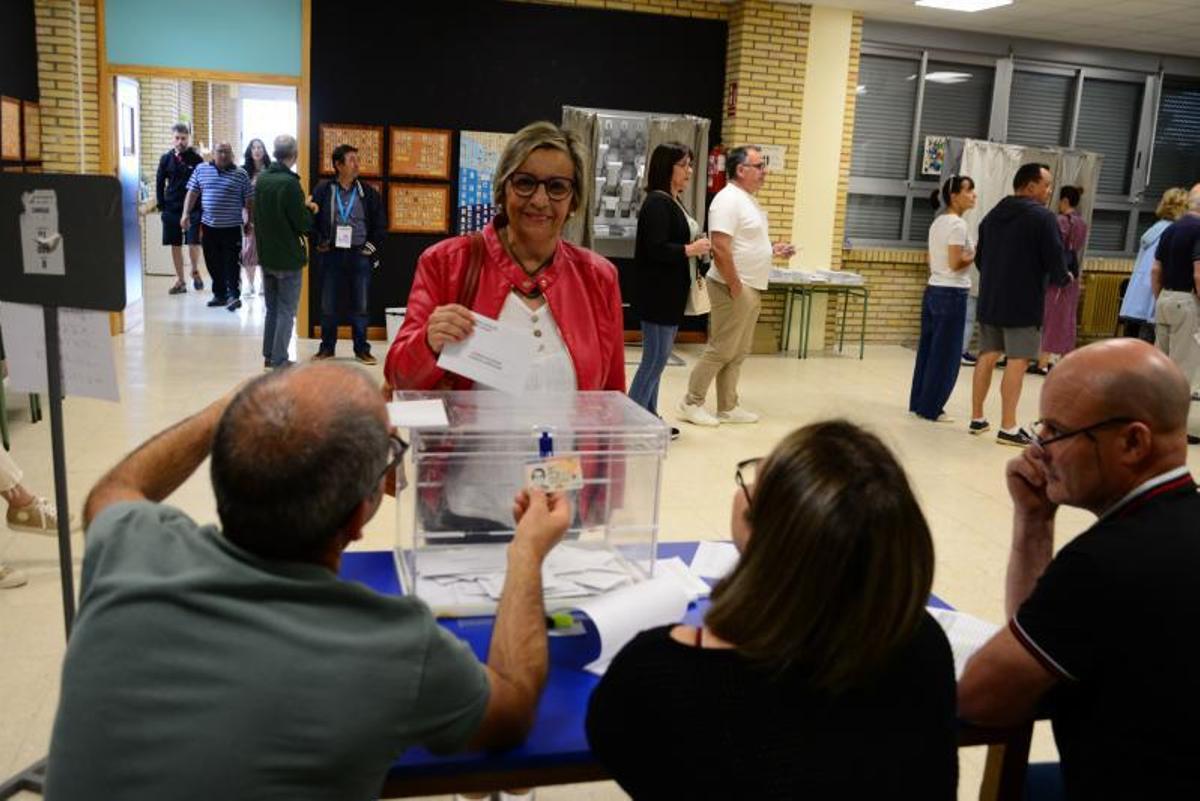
(478, 156)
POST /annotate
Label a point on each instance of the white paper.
(42, 245)
(621, 614)
(674, 568)
(85, 346)
(418, 414)
(714, 559)
(495, 355)
(966, 634)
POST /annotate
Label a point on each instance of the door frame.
(108, 110)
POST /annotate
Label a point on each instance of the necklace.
(535, 290)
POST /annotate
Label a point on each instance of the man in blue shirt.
(226, 190)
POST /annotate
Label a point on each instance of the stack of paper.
(619, 616)
(785, 276)
(842, 277)
(966, 634)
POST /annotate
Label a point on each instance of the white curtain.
(586, 125)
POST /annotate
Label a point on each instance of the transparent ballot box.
(452, 537)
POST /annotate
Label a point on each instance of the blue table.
(556, 751)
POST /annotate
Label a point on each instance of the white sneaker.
(945, 418)
(737, 415)
(10, 577)
(696, 415)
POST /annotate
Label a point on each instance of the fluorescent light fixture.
(969, 6)
(861, 89)
(948, 77)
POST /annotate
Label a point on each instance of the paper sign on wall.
(41, 244)
(85, 346)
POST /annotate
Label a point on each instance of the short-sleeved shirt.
(1115, 617)
(197, 670)
(1178, 251)
(734, 211)
(223, 192)
(947, 230)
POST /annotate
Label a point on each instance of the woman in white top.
(944, 307)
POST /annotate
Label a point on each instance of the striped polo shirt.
(223, 194)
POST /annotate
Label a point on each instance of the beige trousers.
(730, 335)
(10, 472)
(1177, 316)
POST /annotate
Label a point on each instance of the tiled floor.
(187, 354)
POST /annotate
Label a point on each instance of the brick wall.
(224, 116)
(164, 103)
(201, 117)
(68, 85)
(839, 222)
(700, 9)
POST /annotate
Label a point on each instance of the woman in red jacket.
(566, 297)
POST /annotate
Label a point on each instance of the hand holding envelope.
(492, 353)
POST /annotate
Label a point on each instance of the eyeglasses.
(525, 185)
(396, 450)
(747, 474)
(1043, 433)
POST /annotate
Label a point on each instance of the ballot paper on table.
(418, 413)
(620, 615)
(674, 568)
(495, 355)
(714, 559)
(85, 351)
(966, 634)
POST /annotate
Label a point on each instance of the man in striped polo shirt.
(226, 190)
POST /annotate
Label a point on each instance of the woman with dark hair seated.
(817, 673)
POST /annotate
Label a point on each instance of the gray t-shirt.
(199, 671)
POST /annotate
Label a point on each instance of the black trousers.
(222, 251)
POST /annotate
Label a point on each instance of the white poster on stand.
(85, 346)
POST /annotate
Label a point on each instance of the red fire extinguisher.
(716, 169)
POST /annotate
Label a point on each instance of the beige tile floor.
(187, 354)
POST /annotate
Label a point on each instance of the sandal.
(197, 283)
(180, 288)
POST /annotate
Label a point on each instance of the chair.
(35, 414)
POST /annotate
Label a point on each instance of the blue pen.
(545, 445)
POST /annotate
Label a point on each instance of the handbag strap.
(470, 284)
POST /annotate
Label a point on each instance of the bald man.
(232, 662)
(1104, 635)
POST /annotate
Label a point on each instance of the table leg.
(862, 329)
(805, 321)
(845, 296)
(786, 337)
(1004, 771)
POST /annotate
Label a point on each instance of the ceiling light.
(860, 89)
(969, 6)
(948, 77)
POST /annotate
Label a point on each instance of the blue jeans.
(281, 288)
(969, 326)
(943, 312)
(656, 349)
(339, 268)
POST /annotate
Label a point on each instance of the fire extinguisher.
(716, 169)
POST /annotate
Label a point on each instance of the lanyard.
(344, 211)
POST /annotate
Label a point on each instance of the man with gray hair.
(282, 218)
(1175, 280)
(233, 662)
(742, 252)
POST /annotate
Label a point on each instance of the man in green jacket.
(282, 216)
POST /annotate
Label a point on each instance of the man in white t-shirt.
(742, 252)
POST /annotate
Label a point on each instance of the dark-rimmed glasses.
(397, 447)
(557, 188)
(1043, 433)
(747, 474)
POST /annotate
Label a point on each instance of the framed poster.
(420, 153)
(367, 138)
(374, 184)
(478, 155)
(933, 154)
(10, 129)
(418, 208)
(32, 115)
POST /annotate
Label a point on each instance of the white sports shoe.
(10, 577)
(737, 415)
(696, 415)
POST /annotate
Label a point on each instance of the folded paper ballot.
(714, 559)
(966, 634)
(620, 615)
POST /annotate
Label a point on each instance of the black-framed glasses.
(1043, 433)
(557, 188)
(397, 447)
(747, 474)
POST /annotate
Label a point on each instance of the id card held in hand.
(557, 474)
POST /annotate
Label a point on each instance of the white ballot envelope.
(495, 355)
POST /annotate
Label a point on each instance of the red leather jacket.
(580, 287)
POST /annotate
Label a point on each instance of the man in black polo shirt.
(170, 188)
(1173, 279)
(1103, 635)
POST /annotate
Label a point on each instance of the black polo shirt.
(1116, 617)
(1178, 250)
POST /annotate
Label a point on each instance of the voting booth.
(471, 452)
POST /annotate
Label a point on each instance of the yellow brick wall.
(201, 118)
(164, 102)
(700, 9)
(224, 117)
(68, 85)
(839, 222)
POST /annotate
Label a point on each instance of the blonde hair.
(1173, 204)
(535, 136)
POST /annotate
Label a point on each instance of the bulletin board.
(420, 153)
(478, 156)
(10, 129)
(32, 116)
(418, 208)
(368, 139)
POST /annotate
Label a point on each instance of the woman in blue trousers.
(944, 307)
